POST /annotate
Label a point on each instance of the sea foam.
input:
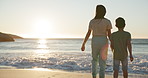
(72, 61)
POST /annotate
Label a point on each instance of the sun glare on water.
(40, 69)
(42, 46)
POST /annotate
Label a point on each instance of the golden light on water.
(40, 69)
(42, 46)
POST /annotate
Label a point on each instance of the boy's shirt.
(119, 40)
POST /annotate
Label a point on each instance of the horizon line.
(70, 38)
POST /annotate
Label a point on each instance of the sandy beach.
(40, 73)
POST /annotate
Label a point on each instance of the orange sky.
(68, 18)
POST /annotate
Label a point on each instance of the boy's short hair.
(120, 22)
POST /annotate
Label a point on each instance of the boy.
(120, 42)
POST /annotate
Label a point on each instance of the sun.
(42, 28)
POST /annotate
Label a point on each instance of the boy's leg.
(116, 73)
(125, 68)
(116, 64)
(125, 74)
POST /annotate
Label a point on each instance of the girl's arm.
(109, 33)
(109, 36)
(85, 40)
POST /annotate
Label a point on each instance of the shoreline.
(47, 73)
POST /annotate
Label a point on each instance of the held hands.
(131, 58)
(112, 49)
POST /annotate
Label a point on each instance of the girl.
(100, 28)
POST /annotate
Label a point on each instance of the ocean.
(64, 54)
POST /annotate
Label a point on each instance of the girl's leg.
(97, 44)
(102, 64)
(95, 53)
(94, 64)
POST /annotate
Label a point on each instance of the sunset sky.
(69, 18)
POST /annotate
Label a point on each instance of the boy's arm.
(130, 49)
(111, 45)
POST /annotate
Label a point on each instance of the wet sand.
(40, 73)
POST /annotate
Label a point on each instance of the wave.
(72, 61)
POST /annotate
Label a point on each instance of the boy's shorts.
(116, 64)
